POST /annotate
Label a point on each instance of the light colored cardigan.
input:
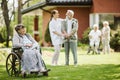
(18, 41)
(73, 31)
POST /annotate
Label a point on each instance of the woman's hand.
(64, 35)
(28, 45)
(67, 36)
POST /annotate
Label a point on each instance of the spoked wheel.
(13, 65)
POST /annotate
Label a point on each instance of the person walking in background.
(69, 29)
(89, 48)
(94, 37)
(56, 35)
(106, 37)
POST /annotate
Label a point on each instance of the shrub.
(85, 38)
(3, 34)
(115, 42)
(47, 35)
(2, 45)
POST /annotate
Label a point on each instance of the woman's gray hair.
(95, 25)
(106, 22)
(19, 26)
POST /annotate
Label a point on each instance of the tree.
(7, 18)
(20, 6)
(19, 11)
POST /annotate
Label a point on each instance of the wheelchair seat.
(17, 50)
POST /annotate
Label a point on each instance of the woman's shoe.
(43, 70)
(23, 74)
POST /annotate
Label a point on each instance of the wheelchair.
(13, 63)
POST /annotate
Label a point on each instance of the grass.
(90, 67)
(81, 72)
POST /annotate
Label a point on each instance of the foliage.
(10, 43)
(31, 2)
(81, 45)
(47, 35)
(28, 21)
(115, 41)
(3, 34)
(9, 17)
(3, 45)
(112, 26)
(85, 38)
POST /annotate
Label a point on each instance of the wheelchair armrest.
(17, 49)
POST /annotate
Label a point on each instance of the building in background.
(86, 11)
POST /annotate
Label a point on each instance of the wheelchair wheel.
(13, 65)
(45, 73)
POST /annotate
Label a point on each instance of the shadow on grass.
(81, 72)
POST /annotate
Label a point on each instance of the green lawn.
(81, 72)
(90, 67)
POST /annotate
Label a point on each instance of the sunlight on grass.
(83, 58)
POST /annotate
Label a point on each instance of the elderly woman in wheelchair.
(31, 57)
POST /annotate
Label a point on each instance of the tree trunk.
(6, 19)
(19, 11)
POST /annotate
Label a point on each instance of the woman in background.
(106, 37)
